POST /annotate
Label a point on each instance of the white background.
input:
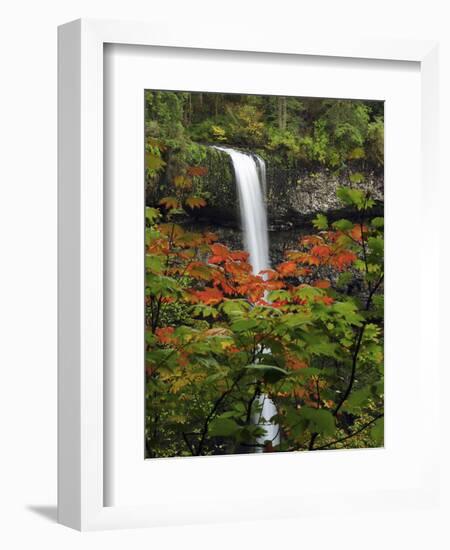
(28, 270)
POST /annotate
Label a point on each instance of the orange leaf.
(269, 274)
(195, 202)
(311, 240)
(322, 251)
(197, 170)
(357, 232)
(321, 283)
(209, 296)
(170, 202)
(221, 253)
(165, 334)
(344, 259)
(287, 268)
(294, 363)
(210, 237)
(239, 255)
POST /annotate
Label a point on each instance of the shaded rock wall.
(295, 196)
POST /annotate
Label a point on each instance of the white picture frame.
(81, 408)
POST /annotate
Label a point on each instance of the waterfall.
(250, 172)
(251, 202)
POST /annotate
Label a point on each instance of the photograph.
(264, 273)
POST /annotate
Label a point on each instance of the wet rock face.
(293, 197)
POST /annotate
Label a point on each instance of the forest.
(264, 260)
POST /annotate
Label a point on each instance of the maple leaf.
(311, 240)
(285, 269)
(321, 251)
(221, 253)
(195, 202)
(294, 363)
(197, 170)
(182, 182)
(238, 268)
(269, 274)
(273, 285)
(153, 142)
(239, 255)
(209, 296)
(169, 202)
(165, 335)
(210, 237)
(153, 162)
(357, 232)
(343, 259)
(199, 270)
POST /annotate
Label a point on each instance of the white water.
(250, 174)
(252, 206)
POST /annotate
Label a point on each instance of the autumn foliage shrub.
(219, 336)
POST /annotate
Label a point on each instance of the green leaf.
(244, 325)
(320, 222)
(377, 432)
(223, 427)
(235, 308)
(152, 214)
(319, 420)
(344, 279)
(305, 373)
(357, 177)
(275, 295)
(155, 263)
(269, 373)
(376, 245)
(150, 338)
(153, 162)
(343, 225)
(377, 223)
(357, 399)
(354, 197)
(349, 312)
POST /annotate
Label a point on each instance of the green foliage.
(292, 131)
(320, 222)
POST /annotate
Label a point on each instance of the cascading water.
(250, 172)
(252, 206)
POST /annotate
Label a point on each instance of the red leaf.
(322, 251)
(343, 259)
(209, 296)
(287, 268)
